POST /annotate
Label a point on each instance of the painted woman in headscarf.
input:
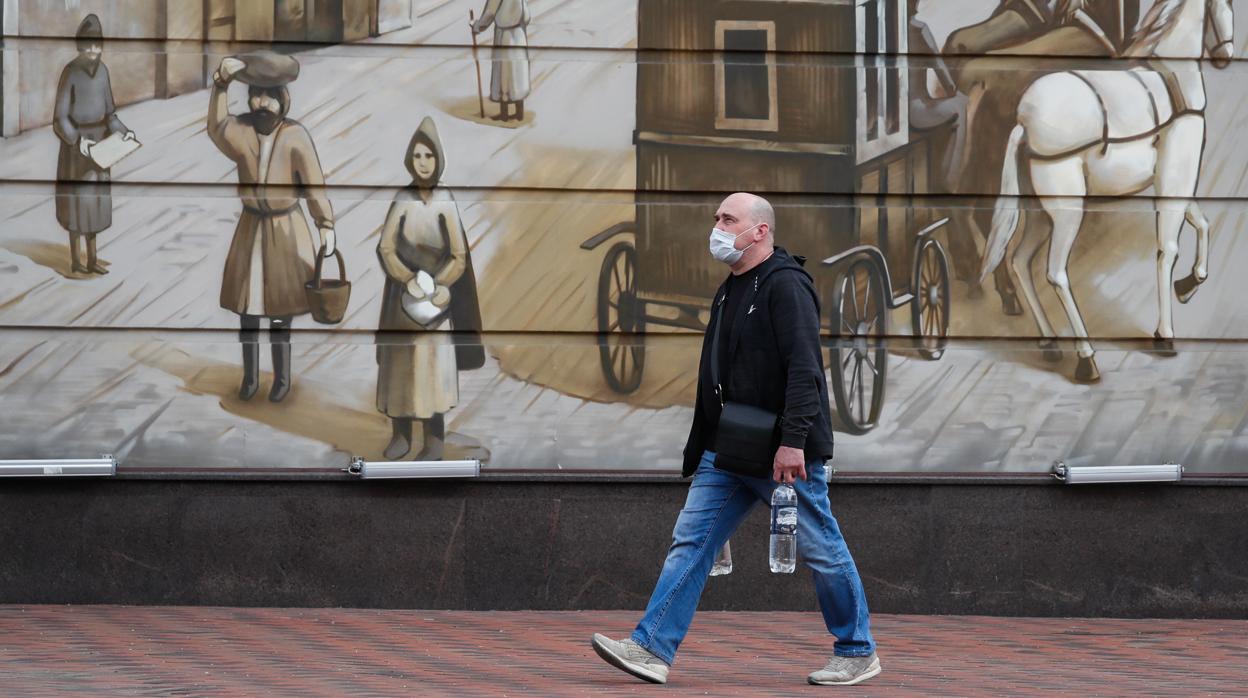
(424, 253)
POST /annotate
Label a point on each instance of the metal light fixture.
(393, 470)
(1103, 474)
(104, 466)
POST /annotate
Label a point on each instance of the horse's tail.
(1005, 213)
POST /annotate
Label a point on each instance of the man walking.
(769, 350)
(273, 253)
(85, 115)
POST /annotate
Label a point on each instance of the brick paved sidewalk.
(112, 650)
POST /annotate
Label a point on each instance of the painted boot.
(93, 263)
(401, 442)
(434, 438)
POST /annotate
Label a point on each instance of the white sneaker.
(846, 671)
(631, 657)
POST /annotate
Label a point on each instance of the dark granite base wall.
(1141, 551)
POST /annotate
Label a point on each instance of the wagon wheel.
(620, 314)
(929, 310)
(858, 358)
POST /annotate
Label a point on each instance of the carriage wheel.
(929, 310)
(621, 319)
(858, 358)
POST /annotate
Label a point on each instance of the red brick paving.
(116, 650)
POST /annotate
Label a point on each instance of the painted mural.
(477, 228)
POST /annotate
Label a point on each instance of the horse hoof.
(974, 290)
(1163, 346)
(1050, 352)
(1186, 287)
(1086, 371)
(1010, 304)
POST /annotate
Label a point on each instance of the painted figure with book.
(92, 139)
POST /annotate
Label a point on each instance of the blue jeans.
(718, 502)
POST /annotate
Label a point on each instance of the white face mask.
(723, 245)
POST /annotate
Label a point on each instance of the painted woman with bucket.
(430, 291)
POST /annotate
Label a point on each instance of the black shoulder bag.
(747, 437)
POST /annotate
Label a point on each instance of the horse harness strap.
(1152, 105)
(1100, 102)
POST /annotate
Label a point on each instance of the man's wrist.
(791, 440)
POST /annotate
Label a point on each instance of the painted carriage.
(801, 102)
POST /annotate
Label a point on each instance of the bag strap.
(719, 330)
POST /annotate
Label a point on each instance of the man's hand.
(84, 146)
(328, 240)
(789, 466)
(229, 68)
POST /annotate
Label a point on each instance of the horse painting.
(1114, 133)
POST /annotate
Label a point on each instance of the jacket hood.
(781, 259)
(426, 133)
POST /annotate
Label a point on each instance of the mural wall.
(255, 237)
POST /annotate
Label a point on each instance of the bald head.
(748, 219)
(751, 208)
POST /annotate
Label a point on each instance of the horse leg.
(1186, 287)
(1175, 184)
(1007, 292)
(1169, 225)
(1020, 261)
(1066, 212)
(965, 231)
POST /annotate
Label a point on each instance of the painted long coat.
(84, 109)
(509, 78)
(272, 254)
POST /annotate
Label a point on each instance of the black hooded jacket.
(773, 361)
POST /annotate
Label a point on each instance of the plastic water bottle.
(783, 529)
(723, 561)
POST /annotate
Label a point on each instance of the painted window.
(745, 75)
(882, 94)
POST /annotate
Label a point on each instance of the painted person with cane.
(509, 77)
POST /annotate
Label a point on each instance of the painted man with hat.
(273, 252)
(84, 115)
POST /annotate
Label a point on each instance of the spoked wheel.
(621, 319)
(929, 310)
(858, 359)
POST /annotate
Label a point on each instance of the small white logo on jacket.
(750, 310)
